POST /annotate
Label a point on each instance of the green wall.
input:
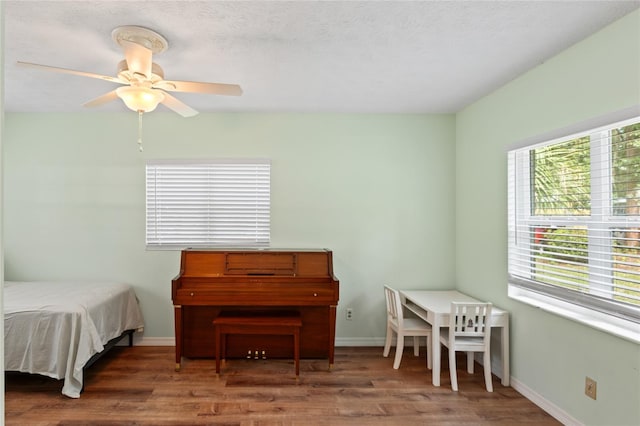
(376, 189)
(549, 355)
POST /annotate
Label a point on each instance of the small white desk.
(435, 307)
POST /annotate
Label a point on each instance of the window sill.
(624, 329)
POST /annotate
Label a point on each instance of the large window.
(208, 204)
(574, 221)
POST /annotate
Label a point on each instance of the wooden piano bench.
(250, 323)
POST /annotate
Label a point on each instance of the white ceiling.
(305, 56)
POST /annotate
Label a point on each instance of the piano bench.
(249, 323)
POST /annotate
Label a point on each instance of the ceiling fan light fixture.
(140, 99)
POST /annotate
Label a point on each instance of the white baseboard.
(155, 341)
(553, 410)
(139, 340)
(359, 341)
(170, 341)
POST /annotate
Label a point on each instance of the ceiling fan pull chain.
(140, 131)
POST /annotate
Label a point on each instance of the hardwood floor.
(138, 386)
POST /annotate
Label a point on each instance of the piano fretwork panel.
(213, 281)
(261, 263)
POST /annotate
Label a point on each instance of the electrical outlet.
(349, 313)
(590, 387)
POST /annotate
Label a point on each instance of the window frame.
(226, 182)
(609, 315)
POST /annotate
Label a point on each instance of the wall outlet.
(590, 387)
(349, 314)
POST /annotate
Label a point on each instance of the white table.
(435, 307)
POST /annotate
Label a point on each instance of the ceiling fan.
(142, 80)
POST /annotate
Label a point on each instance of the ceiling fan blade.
(198, 87)
(178, 106)
(103, 99)
(68, 71)
(138, 58)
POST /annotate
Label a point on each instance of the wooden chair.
(469, 331)
(396, 322)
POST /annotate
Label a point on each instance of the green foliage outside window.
(561, 187)
(625, 153)
(561, 179)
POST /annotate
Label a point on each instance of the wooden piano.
(212, 281)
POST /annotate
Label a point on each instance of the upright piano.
(212, 281)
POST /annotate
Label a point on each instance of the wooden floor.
(139, 386)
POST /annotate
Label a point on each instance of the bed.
(56, 329)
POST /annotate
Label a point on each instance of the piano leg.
(332, 333)
(177, 309)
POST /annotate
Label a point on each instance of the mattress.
(54, 328)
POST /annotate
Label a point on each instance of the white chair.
(469, 331)
(396, 322)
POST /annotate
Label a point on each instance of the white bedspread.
(54, 328)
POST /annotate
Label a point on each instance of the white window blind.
(574, 219)
(208, 204)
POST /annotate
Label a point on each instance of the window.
(574, 224)
(208, 204)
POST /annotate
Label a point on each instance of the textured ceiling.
(305, 56)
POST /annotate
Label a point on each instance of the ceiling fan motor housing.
(157, 74)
